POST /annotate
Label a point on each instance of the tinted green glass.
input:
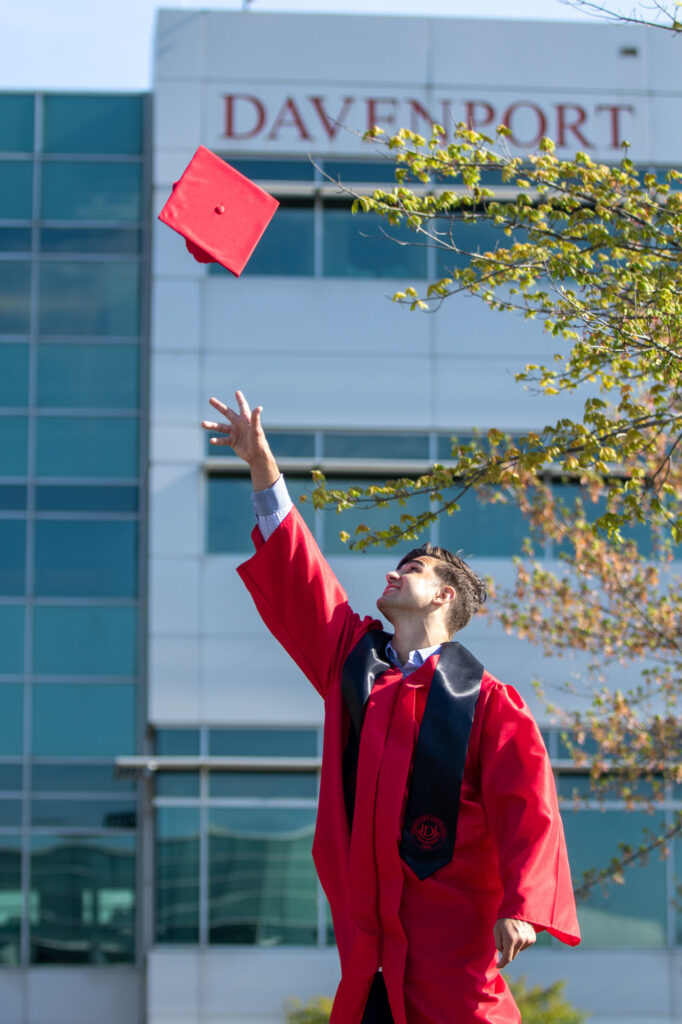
(483, 529)
(286, 248)
(357, 246)
(85, 900)
(477, 237)
(15, 297)
(176, 742)
(13, 373)
(230, 515)
(570, 786)
(361, 170)
(12, 497)
(375, 446)
(91, 191)
(11, 719)
(375, 518)
(89, 298)
(86, 446)
(93, 124)
(12, 556)
(262, 742)
(53, 498)
(16, 123)
(83, 813)
(10, 813)
(177, 784)
(15, 239)
(633, 914)
(284, 444)
(88, 641)
(569, 493)
(13, 445)
(274, 170)
(113, 241)
(88, 376)
(77, 778)
(10, 777)
(262, 887)
(85, 559)
(11, 638)
(177, 874)
(11, 896)
(677, 867)
(83, 720)
(16, 189)
(264, 785)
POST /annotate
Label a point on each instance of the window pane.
(13, 445)
(13, 374)
(16, 123)
(85, 559)
(91, 191)
(84, 891)
(286, 248)
(83, 720)
(10, 776)
(262, 888)
(15, 239)
(52, 498)
(176, 742)
(177, 784)
(15, 297)
(273, 170)
(263, 742)
(361, 170)
(264, 785)
(375, 518)
(16, 189)
(284, 444)
(10, 813)
(113, 241)
(177, 874)
(12, 556)
(13, 497)
(87, 641)
(483, 529)
(11, 719)
(93, 124)
(86, 446)
(678, 882)
(11, 642)
(77, 778)
(11, 897)
(633, 914)
(230, 515)
(376, 446)
(89, 298)
(569, 492)
(357, 246)
(88, 376)
(82, 813)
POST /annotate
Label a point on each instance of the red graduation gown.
(433, 938)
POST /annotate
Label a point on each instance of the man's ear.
(445, 595)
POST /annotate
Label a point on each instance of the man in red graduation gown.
(438, 839)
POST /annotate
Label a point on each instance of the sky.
(107, 44)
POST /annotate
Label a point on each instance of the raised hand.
(244, 434)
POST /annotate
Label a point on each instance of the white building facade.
(233, 922)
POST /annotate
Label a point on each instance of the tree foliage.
(593, 252)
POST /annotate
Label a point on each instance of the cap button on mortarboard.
(220, 209)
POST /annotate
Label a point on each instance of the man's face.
(411, 587)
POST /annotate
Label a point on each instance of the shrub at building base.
(537, 1005)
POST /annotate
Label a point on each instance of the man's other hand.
(511, 937)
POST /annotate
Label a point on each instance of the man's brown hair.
(470, 592)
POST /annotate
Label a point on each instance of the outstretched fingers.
(244, 407)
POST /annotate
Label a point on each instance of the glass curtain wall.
(73, 286)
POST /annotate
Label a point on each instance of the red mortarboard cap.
(219, 212)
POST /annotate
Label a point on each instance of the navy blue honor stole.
(428, 838)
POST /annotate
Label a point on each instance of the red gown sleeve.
(301, 602)
(519, 797)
